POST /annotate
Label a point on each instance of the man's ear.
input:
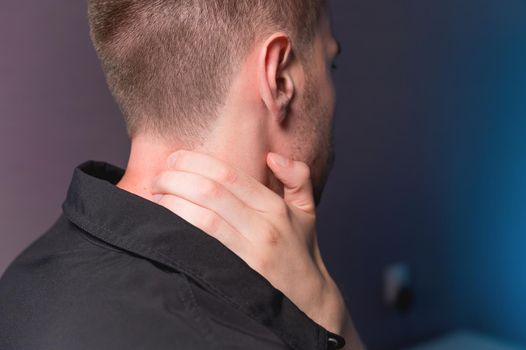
(276, 84)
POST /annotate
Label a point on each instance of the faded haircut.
(170, 63)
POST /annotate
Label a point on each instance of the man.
(231, 84)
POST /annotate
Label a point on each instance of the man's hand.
(275, 236)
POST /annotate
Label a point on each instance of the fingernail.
(282, 161)
(171, 160)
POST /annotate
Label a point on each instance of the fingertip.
(270, 161)
(157, 198)
(279, 160)
(274, 167)
(171, 160)
(173, 157)
(154, 185)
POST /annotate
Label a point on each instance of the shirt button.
(334, 341)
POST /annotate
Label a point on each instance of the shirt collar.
(139, 226)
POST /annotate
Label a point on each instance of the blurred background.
(423, 221)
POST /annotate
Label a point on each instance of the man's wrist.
(334, 316)
(332, 313)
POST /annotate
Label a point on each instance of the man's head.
(173, 65)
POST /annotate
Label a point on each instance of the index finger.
(250, 191)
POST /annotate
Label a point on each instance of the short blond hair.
(170, 63)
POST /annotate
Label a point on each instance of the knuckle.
(228, 176)
(272, 236)
(210, 190)
(210, 223)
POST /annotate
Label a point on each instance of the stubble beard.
(323, 161)
(314, 143)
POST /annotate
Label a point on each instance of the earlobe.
(275, 79)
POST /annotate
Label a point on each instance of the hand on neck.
(241, 135)
(241, 147)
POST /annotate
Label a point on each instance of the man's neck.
(148, 159)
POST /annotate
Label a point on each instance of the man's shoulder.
(70, 290)
(64, 254)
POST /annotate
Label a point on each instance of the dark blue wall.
(431, 162)
(486, 160)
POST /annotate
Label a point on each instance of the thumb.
(295, 177)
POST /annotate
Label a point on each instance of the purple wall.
(55, 112)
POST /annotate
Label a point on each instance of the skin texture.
(255, 183)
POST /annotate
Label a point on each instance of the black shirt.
(116, 271)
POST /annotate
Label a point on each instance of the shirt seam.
(192, 302)
(86, 237)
